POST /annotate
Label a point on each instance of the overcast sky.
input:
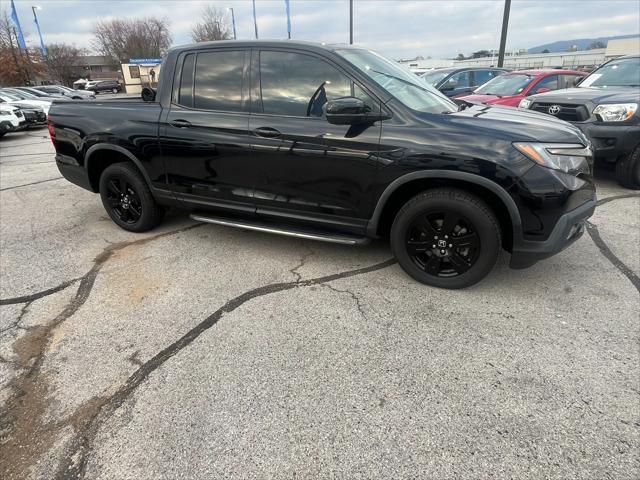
(398, 29)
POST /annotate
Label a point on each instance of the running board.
(288, 232)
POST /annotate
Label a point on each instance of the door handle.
(267, 132)
(180, 123)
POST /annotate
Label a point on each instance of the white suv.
(11, 119)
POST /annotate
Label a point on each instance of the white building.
(519, 59)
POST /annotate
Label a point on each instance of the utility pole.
(350, 22)
(503, 36)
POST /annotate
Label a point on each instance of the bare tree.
(122, 39)
(19, 67)
(214, 25)
(62, 61)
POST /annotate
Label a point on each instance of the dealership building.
(520, 59)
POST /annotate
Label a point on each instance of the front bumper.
(35, 118)
(611, 141)
(568, 229)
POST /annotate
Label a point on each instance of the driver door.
(307, 168)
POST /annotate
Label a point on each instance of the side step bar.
(258, 227)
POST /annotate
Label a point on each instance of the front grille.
(563, 111)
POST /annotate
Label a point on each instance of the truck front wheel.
(446, 238)
(628, 170)
(127, 198)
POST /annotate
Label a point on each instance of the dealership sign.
(145, 61)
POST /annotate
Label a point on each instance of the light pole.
(233, 22)
(350, 22)
(503, 35)
(35, 19)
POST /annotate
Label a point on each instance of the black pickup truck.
(332, 143)
(605, 106)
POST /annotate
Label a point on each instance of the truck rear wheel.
(127, 198)
(446, 238)
(628, 170)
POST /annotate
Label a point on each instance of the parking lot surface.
(199, 351)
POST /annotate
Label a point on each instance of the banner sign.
(145, 61)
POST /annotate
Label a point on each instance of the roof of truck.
(266, 43)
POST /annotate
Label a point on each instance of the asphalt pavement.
(198, 351)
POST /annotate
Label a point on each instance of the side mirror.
(351, 111)
(543, 90)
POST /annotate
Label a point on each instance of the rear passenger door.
(204, 135)
(309, 169)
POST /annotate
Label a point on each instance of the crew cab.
(509, 89)
(332, 143)
(605, 107)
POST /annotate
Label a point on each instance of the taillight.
(52, 130)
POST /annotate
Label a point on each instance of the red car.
(510, 88)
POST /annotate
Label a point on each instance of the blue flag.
(14, 17)
(286, 5)
(42, 46)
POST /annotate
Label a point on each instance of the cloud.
(436, 28)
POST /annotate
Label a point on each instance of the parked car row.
(23, 107)
(604, 104)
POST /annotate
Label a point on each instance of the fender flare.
(501, 193)
(119, 149)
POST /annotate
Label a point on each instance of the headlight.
(524, 103)
(572, 158)
(615, 112)
(5, 112)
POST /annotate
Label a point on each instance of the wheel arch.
(407, 186)
(100, 156)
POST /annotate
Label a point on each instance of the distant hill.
(582, 43)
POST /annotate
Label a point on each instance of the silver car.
(66, 92)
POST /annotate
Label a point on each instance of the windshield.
(34, 92)
(9, 95)
(618, 73)
(403, 85)
(434, 78)
(505, 85)
(23, 95)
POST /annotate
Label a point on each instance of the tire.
(114, 90)
(127, 198)
(628, 170)
(470, 247)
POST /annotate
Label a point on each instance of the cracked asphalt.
(199, 351)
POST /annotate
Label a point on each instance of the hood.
(510, 100)
(516, 124)
(596, 95)
(27, 106)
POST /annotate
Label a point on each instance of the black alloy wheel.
(123, 199)
(127, 198)
(447, 238)
(442, 243)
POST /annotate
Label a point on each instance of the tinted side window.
(185, 93)
(570, 80)
(218, 81)
(299, 85)
(459, 80)
(483, 76)
(550, 82)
